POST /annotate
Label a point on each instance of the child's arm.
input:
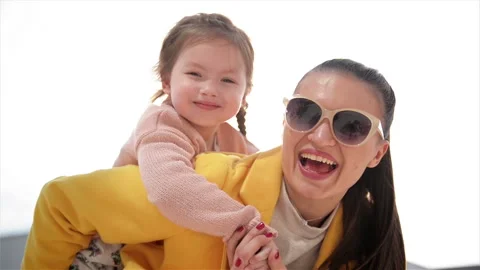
(166, 146)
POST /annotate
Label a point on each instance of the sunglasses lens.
(302, 114)
(351, 127)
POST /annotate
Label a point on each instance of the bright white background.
(75, 77)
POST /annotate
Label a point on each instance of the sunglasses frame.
(329, 114)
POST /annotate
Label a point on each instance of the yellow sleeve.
(70, 210)
(142, 256)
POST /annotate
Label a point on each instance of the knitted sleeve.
(165, 146)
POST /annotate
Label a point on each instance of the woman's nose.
(322, 135)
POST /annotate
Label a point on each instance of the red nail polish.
(238, 262)
(269, 235)
(277, 255)
(260, 226)
(239, 229)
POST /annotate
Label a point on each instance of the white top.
(299, 243)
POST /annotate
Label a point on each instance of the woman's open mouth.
(315, 166)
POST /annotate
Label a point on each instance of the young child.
(205, 66)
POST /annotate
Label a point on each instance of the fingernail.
(238, 262)
(260, 226)
(239, 229)
(277, 255)
(269, 235)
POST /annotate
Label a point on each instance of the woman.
(328, 191)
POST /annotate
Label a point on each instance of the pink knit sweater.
(164, 145)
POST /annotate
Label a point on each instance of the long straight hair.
(373, 237)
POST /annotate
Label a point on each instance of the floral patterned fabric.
(98, 256)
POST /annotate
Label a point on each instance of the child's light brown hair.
(199, 28)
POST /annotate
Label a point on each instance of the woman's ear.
(381, 150)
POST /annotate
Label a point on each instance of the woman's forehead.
(337, 90)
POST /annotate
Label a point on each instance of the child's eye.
(194, 74)
(227, 80)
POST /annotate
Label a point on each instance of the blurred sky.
(76, 75)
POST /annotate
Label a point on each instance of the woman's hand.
(269, 260)
(274, 259)
(251, 250)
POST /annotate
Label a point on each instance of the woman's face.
(305, 176)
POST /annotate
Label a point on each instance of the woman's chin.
(308, 189)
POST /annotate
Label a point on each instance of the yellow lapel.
(262, 185)
(332, 238)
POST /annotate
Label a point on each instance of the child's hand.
(273, 260)
(252, 246)
(260, 260)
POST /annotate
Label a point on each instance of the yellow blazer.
(113, 203)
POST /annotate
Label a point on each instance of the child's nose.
(209, 89)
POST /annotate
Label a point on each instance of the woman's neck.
(315, 211)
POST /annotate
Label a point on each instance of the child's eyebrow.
(194, 64)
(231, 70)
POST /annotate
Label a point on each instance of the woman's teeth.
(319, 159)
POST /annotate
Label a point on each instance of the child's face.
(208, 82)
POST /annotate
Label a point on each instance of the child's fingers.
(262, 255)
(244, 253)
(259, 265)
(259, 229)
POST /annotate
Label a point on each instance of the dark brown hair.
(372, 233)
(199, 28)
